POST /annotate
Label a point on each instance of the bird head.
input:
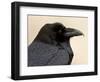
(56, 32)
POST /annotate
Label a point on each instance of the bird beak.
(72, 32)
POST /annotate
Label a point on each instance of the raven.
(52, 45)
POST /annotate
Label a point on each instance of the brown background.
(79, 44)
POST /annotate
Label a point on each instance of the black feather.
(52, 46)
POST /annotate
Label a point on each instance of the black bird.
(52, 46)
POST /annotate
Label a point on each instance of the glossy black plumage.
(52, 46)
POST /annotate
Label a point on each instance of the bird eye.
(60, 31)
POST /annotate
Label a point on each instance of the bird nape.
(52, 46)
